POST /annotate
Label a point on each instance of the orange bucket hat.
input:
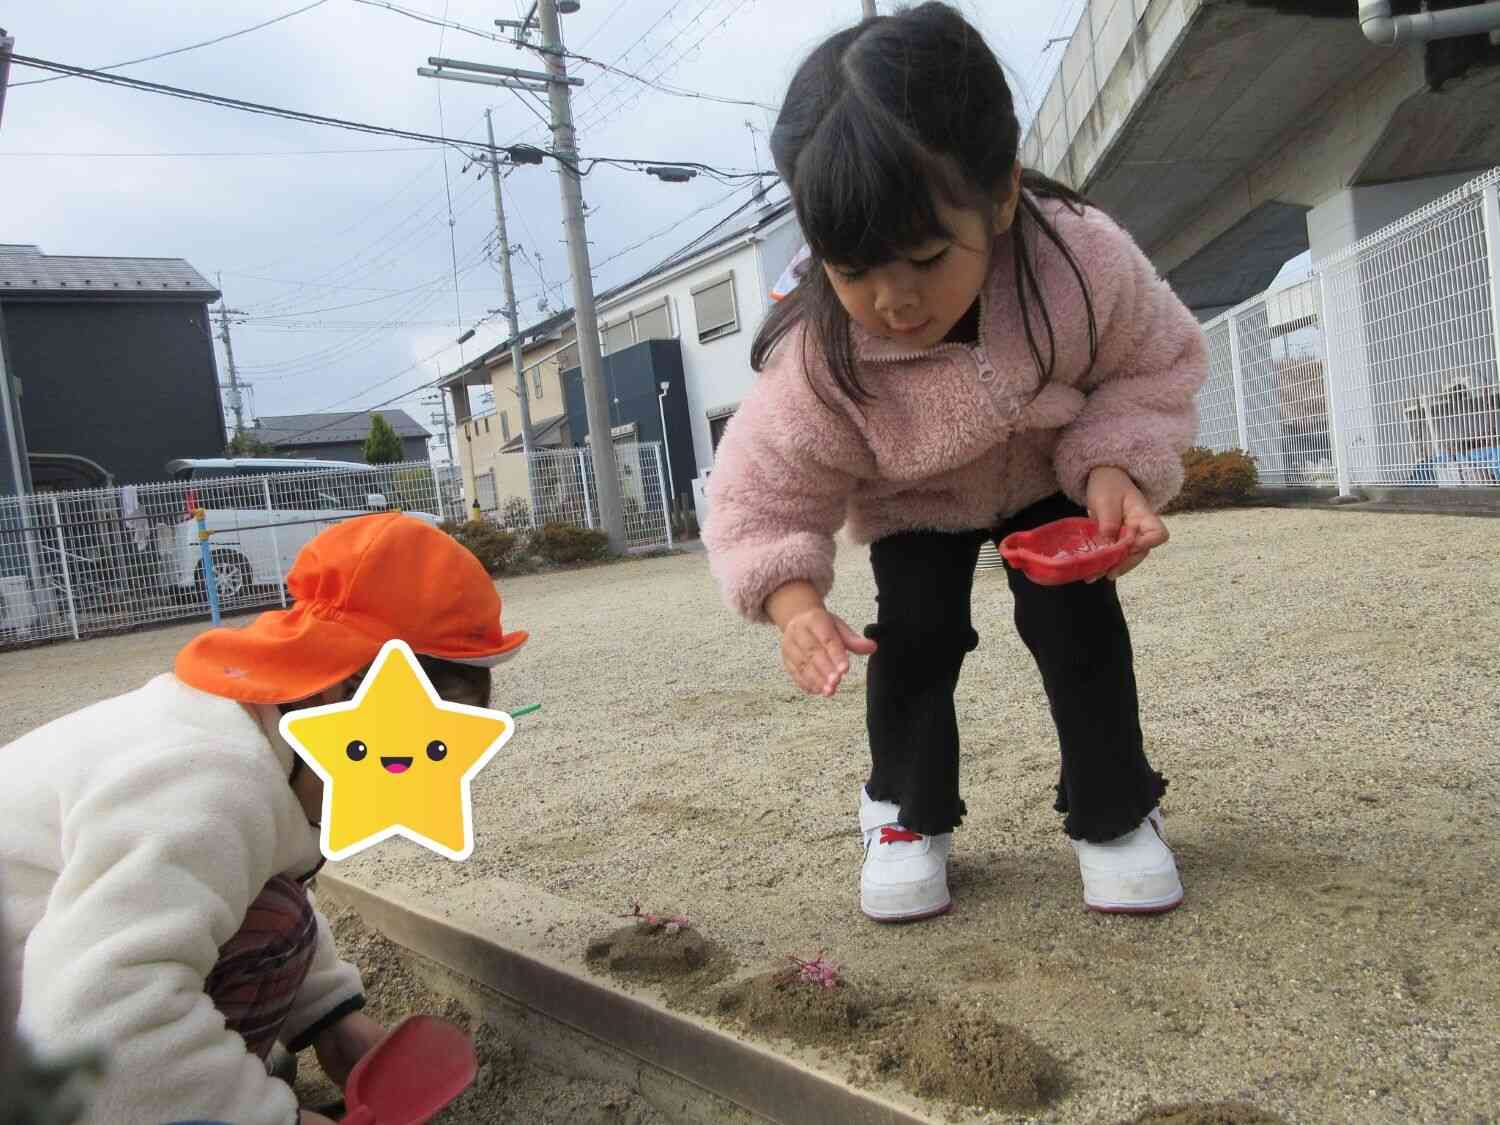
(356, 586)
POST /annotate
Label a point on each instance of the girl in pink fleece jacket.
(972, 350)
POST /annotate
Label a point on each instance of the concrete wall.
(1351, 214)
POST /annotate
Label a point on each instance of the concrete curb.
(692, 1070)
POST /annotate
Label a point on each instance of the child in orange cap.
(158, 845)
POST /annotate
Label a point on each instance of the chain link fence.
(77, 564)
(564, 490)
(1379, 370)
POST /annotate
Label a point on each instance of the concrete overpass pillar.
(1355, 212)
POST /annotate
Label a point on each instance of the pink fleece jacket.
(959, 436)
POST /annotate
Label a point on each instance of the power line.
(328, 285)
(364, 213)
(445, 23)
(683, 251)
(613, 12)
(675, 225)
(602, 116)
(277, 152)
(458, 301)
(180, 50)
(394, 398)
(517, 153)
(238, 103)
(675, 60)
(674, 91)
(385, 251)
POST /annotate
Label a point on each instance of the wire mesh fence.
(1381, 368)
(77, 564)
(564, 490)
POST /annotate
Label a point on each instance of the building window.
(504, 425)
(486, 425)
(614, 337)
(714, 306)
(651, 323)
(536, 384)
(717, 421)
(654, 323)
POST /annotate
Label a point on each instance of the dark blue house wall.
(129, 384)
(632, 376)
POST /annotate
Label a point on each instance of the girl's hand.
(815, 645)
(1115, 502)
(815, 648)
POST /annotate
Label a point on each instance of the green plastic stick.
(525, 710)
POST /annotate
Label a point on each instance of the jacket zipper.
(978, 352)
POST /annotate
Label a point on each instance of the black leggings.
(1078, 637)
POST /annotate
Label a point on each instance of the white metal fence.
(1379, 370)
(563, 490)
(75, 564)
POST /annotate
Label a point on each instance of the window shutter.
(617, 336)
(653, 324)
(714, 306)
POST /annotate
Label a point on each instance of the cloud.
(360, 229)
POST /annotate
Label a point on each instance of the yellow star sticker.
(397, 759)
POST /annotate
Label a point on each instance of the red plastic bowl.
(1064, 551)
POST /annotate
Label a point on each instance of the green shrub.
(564, 543)
(1215, 480)
(495, 549)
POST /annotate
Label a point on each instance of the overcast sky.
(354, 243)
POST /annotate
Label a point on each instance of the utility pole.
(15, 441)
(869, 6)
(236, 400)
(517, 358)
(7, 48)
(441, 419)
(595, 394)
(18, 467)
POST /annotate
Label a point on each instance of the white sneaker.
(905, 877)
(1134, 874)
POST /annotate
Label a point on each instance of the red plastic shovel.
(1068, 550)
(421, 1066)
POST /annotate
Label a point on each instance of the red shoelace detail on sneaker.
(890, 834)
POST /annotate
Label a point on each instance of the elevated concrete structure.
(1231, 135)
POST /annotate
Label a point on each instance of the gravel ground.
(1320, 687)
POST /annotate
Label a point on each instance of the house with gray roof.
(339, 436)
(111, 363)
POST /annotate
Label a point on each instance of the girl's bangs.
(866, 196)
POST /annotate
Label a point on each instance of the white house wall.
(717, 373)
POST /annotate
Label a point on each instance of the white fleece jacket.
(133, 836)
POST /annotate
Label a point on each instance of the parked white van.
(261, 511)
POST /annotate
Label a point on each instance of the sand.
(1321, 688)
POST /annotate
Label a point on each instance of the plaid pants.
(262, 967)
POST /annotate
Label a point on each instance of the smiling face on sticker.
(396, 758)
(358, 750)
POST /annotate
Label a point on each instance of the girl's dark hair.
(880, 125)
